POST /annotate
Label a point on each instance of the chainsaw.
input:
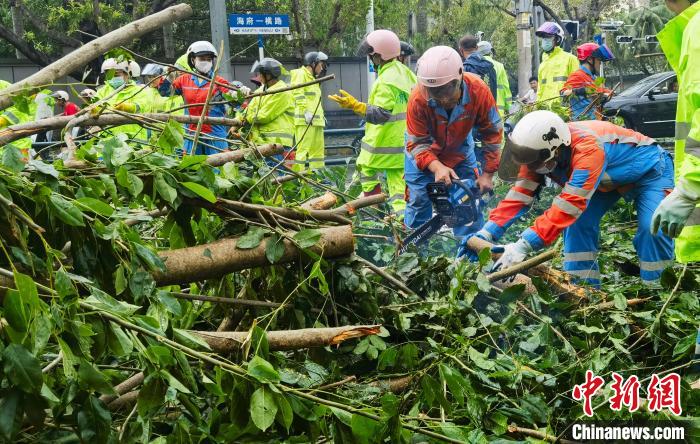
(459, 205)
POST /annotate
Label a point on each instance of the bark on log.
(124, 387)
(238, 156)
(394, 385)
(124, 401)
(219, 258)
(324, 202)
(229, 341)
(350, 208)
(22, 130)
(254, 210)
(86, 53)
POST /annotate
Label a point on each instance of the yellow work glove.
(127, 107)
(346, 100)
(4, 121)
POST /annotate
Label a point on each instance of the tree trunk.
(324, 202)
(17, 25)
(350, 208)
(81, 56)
(219, 258)
(226, 342)
(124, 387)
(238, 156)
(168, 42)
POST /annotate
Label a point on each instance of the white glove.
(309, 117)
(513, 253)
(244, 89)
(673, 212)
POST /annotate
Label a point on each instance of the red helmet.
(594, 50)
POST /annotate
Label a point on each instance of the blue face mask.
(116, 81)
(547, 44)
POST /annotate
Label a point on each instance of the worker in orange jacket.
(581, 88)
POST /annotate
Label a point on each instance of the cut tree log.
(219, 258)
(238, 156)
(124, 387)
(324, 202)
(229, 341)
(22, 130)
(350, 208)
(77, 59)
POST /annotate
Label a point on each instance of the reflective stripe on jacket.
(272, 116)
(307, 99)
(131, 93)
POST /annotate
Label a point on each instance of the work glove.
(513, 253)
(673, 212)
(241, 87)
(127, 107)
(464, 250)
(308, 117)
(4, 121)
(346, 100)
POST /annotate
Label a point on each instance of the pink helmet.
(382, 42)
(438, 66)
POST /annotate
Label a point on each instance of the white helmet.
(112, 63)
(88, 93)
(153, 69)
(484, 47)
(134, 69)
(60, 94)
(201, 47)
(537, 136)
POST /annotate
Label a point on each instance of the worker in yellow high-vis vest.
(382, 149)
(504, 96)
(556, 65)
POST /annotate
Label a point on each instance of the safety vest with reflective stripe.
(679, 41)
(132, 93)
(383, 144)
(272, 116)
(307, 98)
(503, 96)
(555, 68)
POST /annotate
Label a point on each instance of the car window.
(641, 87)
(668, 86)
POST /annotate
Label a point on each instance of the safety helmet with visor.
(381, 42)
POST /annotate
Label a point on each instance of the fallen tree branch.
(229, 341)
(86, 53)
(395, 282)
(125, 386)
(219, 258)
(290, 213)
(22, 130)
(610, 304)
(323, 202)
(125, 400)
(220, 300)
(522, 266)
(344, 381)
(238, 156)
(350, 208)
(394, 385)
(514, 429)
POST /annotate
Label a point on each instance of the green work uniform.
(310, 146)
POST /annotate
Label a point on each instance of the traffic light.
(651, 39)
(624, 39)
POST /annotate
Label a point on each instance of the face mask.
(547, 44)
(203, 66)
(546, 170)
(116, 81)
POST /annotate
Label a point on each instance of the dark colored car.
(648, 106)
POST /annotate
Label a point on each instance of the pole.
(220, 32)
(523, 21)
(370, 28)
(261, 46)
(17, 25)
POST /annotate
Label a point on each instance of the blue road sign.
(258, 23)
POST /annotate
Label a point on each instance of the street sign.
(572, 27)
(612, 25)
(240, 24)
(624, 39)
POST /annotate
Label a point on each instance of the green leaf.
(263, 408)
(151, 395)
(95, 205)
(191, 340)
(44, 168)
(482, 282)
(262, 370)
(22, 368)
(172, 137)
(484, 256)
(365, 430)
(274, 248)
(251, 239)
(620, 301)
(120, 282)
(195, 159)
(115, 152)
(164, 189)
(153, 261)
(92, 379)
(66, 211)
(480, 360)
(285, 415)
(307, 238)
(16, 311)
(511, 293)
(12, 158)
(684, 345)
(129, 181)
(200, 191)
(94, 421)
(118, 341)
(590, 329)
(175, 383)
(8, 413)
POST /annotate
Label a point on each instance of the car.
(648, 106)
